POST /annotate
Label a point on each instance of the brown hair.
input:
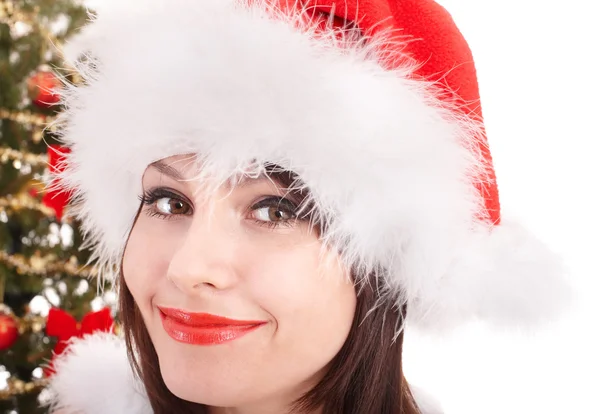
(365, 377)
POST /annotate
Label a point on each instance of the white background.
(539, 73)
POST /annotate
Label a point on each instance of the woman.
(283, 186)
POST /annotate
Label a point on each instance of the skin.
(229, 257)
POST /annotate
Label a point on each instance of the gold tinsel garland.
(10, 14)
(15, 386)
(30, 323)
(39, 122)
(46, 265)
(9, 154)
(18, 387)
(25, 117)
(24, 201)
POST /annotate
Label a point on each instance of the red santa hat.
(374, 104)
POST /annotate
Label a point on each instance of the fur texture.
(390, 166)
(94, 377)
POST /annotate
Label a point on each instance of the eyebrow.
(174, 173)
(245, 181)
(167, 170)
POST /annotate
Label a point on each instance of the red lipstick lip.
(203, 319)
(204, 328)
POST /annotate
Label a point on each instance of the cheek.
(312, 301)
(146, 260)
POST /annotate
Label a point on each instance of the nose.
(204, 262)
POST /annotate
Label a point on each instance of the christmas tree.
(45, 295)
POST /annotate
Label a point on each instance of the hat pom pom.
(505, 276)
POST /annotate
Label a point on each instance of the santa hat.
(373, 104)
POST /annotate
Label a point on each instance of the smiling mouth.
(203, 328)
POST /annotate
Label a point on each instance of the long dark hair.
(365, 377)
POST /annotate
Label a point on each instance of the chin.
(213, 396)
(188, 382)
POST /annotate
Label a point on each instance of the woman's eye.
(274, 210)
(172, 206)
(164, 203)
(273, 214)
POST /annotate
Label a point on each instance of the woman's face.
(238, 254)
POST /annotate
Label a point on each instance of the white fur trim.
(500, 274)
(390, 167)
(94, 377)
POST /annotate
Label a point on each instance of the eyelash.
(150, 197)
(281, 203)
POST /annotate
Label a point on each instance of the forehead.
(178, 167)
(188, 168)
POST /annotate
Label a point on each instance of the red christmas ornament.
(55, 198)
(42, 88)
(9, 331)
(64, 326)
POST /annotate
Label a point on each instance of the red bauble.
(9, 332)
(42, 89)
